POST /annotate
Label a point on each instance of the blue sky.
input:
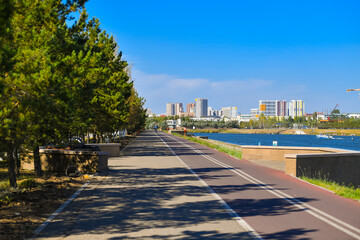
(237, 52)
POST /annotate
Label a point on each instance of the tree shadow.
(296, 233)
(265, 207)
(131, 201)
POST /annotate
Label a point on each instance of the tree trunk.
(37, 162)
(83, 137)
(18, 162)
(11, 168)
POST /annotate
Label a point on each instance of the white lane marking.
(280, 194)
(59, 210)
(232, 213)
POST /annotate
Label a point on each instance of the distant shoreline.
(339, 132)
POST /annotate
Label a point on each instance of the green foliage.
(57, 81)
(28, 183)
(262, 122)
(341, 190)
(227, 150)
(4, 184)
(5, 199)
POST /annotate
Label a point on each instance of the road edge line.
(58, 211)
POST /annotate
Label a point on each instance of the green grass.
(211, 130)
(25, 180)
(4, 177)
(341, 190)
(229, 151)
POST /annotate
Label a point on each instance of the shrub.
(28, 183)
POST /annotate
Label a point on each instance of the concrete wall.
(339, 167)
(112, 148)
(276, 153)
(181, 132)
(58, 161)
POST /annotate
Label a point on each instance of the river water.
(342, 142)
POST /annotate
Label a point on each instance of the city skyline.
(201, 108)
(239, 51)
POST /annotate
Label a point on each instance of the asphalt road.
(275, 205)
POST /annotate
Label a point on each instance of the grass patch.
(229, 151)
(341, 190)
(25, 180)
(4, 177)
(207, 130)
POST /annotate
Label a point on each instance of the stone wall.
(276, 153)
(112, 148)
(58, 161)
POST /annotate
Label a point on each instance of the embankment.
(340, 132)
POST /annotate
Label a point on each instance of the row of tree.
(59, 80)
(261, 122)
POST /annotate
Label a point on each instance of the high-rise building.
(190, 108)
(273, 108)
(201, 107)
(173, 109)
(229, 112)
(210, 112)
(296, 108)
(268, 107)
(179, 109)
(282, 108)
(216, 113)
(170, 109)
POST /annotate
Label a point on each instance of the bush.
(28, 183)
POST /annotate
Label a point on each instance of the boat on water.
(324, 136)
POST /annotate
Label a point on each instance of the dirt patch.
(22, 210)
(27, 208)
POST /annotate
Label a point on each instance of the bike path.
(274, 204)
(148, 194)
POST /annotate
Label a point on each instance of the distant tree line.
(59, 80)
(261, 122)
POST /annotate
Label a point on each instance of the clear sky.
(237, 52)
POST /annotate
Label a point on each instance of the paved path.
(148, 194)
(275, 205)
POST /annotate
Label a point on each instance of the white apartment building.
(173, 109)
(244, 117)
(281, 108)
(353, 115)
(210, 112)
(296, 108)
(229, 112)
(170, 109)
(254, 112)
(268, 108)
